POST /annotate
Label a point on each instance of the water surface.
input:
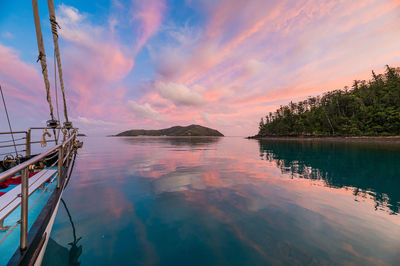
(220, 201)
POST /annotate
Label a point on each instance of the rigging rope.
(9, 153)
(65, 132)
(6, 141)
(54, 26)
(55, 85)
(8, 119)
(42, 54)
(55, 89)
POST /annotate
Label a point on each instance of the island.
(369, 108)
(189, 131)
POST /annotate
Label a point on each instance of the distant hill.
(192, 130)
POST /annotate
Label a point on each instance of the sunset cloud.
(95, 64)
(145, 111)
(179, 94)
(103, 57)
(291, 51)
(148, 14)
(92, 122)
(21, 82)
(224, 63)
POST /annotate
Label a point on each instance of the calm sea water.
(229, 201)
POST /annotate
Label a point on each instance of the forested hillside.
(369, 108)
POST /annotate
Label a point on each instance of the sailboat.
(31, 184)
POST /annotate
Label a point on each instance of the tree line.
(368, 108)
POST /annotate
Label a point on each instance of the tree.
(367, 108)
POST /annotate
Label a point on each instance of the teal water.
(229, 201)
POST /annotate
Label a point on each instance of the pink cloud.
(276, 51)
(145, 111)
(148, 15)
(179, 94)
(94, 64)
(22, 85)
(14, 70)
(242, 61)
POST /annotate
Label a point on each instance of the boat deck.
(41, 185)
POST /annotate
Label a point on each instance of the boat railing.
(27, 136)
(20, 135)
(64, 151)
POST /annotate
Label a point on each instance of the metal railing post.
(24, 209)
(60, 164)
(28, 143)
(69, 152)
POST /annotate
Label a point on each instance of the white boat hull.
(47, 233)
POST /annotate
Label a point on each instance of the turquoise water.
(229, 201)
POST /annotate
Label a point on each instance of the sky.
(219, 63)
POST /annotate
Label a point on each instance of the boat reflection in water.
(57, 254)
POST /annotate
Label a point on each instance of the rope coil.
(43, 143)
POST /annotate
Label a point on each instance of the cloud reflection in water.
(217, 201)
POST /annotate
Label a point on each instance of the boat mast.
(54, 25)
(42, 57)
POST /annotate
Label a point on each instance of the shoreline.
(354, 139)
